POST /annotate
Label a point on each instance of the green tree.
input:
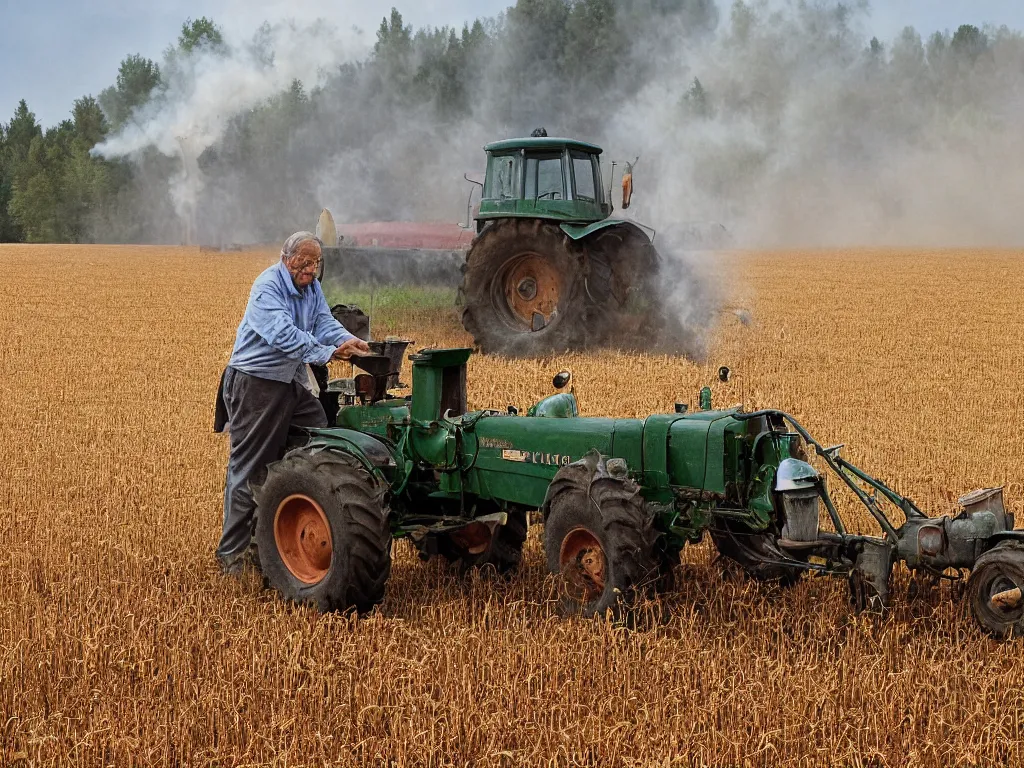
(59, 187)
(392, 54)
(968, 43)
(90, 124)
(697, 101)
(594, 48)
(137, 77)
(530, 74)
(200, 34)
(37, 183)
(908, 53)
(15, 145)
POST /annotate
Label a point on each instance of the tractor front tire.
(599, 538)
(322, 531)
(523, 290)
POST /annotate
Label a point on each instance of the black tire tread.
(358, 502)
(1009, 556)
(490, 249)
(625, 524)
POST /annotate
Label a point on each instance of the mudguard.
(580, 231)
(382, 459)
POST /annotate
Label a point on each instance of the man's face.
(304, 264)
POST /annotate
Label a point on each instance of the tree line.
(383, 135)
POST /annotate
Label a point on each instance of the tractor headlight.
(795, 475)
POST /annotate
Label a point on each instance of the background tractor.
(620, 498)
(543, 267)
(550, 269)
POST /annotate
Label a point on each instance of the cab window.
(502, 182)
(583, 171)
(544, 177)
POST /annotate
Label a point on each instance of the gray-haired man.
(286, 325)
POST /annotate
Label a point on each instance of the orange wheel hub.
(532, 288)
(303, 537)
(583, 565)
(474, 539)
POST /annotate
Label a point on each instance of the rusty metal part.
(303, 537)
(532, 287)
(583, 565)
(1008, 599)
(411, 235)
(474, 539)
(869, 579)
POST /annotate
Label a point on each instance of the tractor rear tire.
(322, 531)
(624, 293)
(998, 571)
(750, 550)
(504, 551)
(523, 290)
(599, 537)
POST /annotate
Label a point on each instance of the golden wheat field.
(121, 645)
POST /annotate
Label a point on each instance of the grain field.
(121, 645)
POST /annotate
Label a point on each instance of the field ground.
(121, 645)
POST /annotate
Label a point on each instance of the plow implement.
(394, 253)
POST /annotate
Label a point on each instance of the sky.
(55, 51)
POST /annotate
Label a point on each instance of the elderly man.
(286, 325)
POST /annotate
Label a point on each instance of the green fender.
(580, 231)
(380, 458)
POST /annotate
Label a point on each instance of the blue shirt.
(284, 328)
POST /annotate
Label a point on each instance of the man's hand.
(349, 348)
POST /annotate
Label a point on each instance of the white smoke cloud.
(205, 90)
(803, 139)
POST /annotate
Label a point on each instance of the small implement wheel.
(475, 546)
(322, 531)
(599, 539)
(996, 590)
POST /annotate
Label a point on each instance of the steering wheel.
(552, 193)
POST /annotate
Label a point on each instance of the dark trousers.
(259, 413)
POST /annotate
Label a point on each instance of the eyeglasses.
(309, 266)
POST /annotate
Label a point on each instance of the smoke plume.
(782, 124)
(756, 125)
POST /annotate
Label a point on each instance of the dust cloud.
(800, 132)
(757, 124)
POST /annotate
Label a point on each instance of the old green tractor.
(620, 498)
(549, 268)
(543, 264)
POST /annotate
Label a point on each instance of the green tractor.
(544, 267)
(620, 498)
(549, 268)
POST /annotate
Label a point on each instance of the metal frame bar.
(845, 469)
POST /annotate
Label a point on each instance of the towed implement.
(619, 498)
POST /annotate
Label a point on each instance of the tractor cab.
(543, 177)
